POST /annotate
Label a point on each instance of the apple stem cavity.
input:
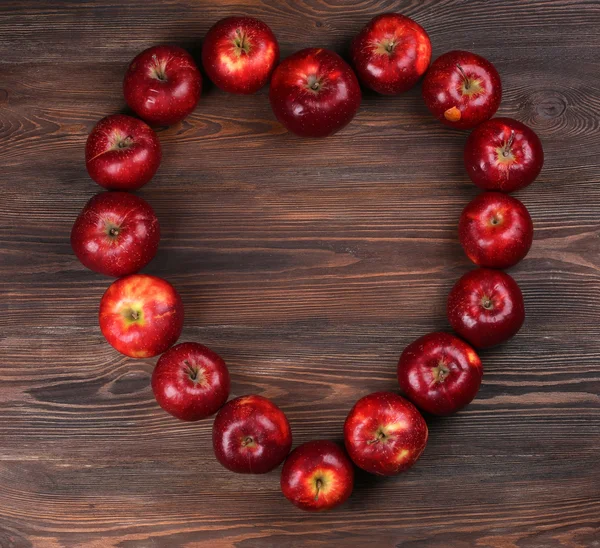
(440, 373)
(467, 82)
(319, 485)
(192, 371)
(159, 69)
(241, 43)
(195, 374)
(471, 85)
(122, 143)
(380, 437)
(313, 83)
(486, 302)
(385, 47)
(248, 440)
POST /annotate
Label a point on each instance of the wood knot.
(548, 105)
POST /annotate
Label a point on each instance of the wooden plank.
(308, 265)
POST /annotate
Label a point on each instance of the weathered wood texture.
(308, 265)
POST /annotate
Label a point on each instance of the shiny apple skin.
(115, 234)
(317, 476)
(309, 112)
(190, 381)
(122, 153)
(162, 85)
(440, 373)
(141, 316)
(384, 433)
(495, 230)
(503, 154)
(239, 54)
(251, 435)
(391, 53)
(486, 307)
(450, 101)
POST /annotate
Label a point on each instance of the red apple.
(495, 230)
(115, 234)
(317, 476)
(391, 53)
(314, 93)
(462, 89)
(239, 54)
(384, 433)
(486, 307)
(190, 381)
(503, 154)
(251, 435)
(141, 316)
(162, 85)
(122, 153)
(440, 373)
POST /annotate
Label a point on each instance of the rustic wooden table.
(308, 265)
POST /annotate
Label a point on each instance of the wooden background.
(308, 265)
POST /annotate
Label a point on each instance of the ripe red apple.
(314, 93)
(495, 230)
(239, 54)
(162, 85)
(462, 89)
(115, 234)
(190, 381)
(141, 316)
(317, 476)
(391, 53)
(486, 307)
(122, 153)
(440, 373)
(503, 154)
(251, 435)
(384, 433)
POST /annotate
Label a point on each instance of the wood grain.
(308, 265)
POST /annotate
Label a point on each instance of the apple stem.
(487, 303)
(121, 143)
(192, 372)
(380, 436)
(114, 231)
(441, 372)
(247, 441)
(508, 144)
(465, 78)
(241, 43)
(135, 315)
(313, 83)
(159, 70)
(319, 484)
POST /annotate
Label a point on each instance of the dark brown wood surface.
(308, 265)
